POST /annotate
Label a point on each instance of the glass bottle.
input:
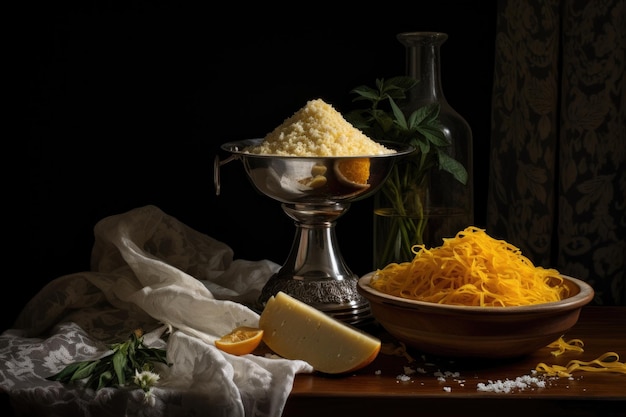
(431, 204)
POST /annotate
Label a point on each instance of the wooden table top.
(395, 385)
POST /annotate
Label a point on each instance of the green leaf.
(365, 92)
(423, 146)
(435, 136)
(85, 371)
(414, 121)
(452, 166)
(396, 87)
(104, 380)
(67, 373)
(398, 114)
(119, 365)
(430, 112)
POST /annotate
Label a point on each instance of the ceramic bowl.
(476, 332)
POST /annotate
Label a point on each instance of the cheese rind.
(296, 330)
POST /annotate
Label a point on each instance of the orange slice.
(241, 341)
(353, 171)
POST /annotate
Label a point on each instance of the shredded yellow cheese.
(471, 269)
(608, 362)
(562, 346)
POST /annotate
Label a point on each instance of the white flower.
(146, 379)
(149, 398)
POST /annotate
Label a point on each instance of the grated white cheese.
(318, 129)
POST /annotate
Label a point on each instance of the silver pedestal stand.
(315, 194)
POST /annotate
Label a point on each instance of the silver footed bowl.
(311, 179)
(315, 192)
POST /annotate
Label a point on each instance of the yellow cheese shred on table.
(562, 346)
(471, 269)
(608, 362)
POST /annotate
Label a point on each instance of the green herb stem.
(116, 368)
(405, 189)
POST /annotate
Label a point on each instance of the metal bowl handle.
(216, 171)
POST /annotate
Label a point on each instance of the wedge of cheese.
(296, 330)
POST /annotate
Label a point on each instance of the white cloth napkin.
(150, 271)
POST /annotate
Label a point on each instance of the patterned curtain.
(557, 186)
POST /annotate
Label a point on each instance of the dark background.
(129, 102)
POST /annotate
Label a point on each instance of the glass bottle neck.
(423, 64)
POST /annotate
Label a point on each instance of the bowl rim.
(578, 300)
(237, 148)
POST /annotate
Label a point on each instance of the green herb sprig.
(384, 120)
(421, 128)
(117, 368)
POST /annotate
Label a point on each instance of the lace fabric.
(149, 271)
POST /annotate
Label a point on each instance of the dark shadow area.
(129, 103)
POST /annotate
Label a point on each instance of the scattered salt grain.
(520, 383)
(447, 374)
(443, 376)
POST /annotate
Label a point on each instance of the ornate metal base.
(337, 298)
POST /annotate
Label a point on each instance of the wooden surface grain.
(425, 385)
